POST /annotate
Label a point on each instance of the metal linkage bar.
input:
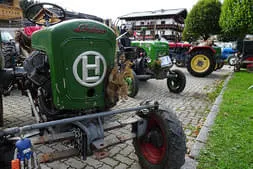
(16, 130)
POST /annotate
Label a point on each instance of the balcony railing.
(175, 27)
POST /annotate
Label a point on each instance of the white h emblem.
(89, 81)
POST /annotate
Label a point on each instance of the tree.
(203, 20)
(236, 18)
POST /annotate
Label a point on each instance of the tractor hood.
(80, 52)
(154, 49)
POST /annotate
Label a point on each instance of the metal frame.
(91, 128)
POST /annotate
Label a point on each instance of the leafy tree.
(203, 19)
(189, 36)
(236, 18)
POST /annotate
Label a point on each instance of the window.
(163, 22)
(142, 23)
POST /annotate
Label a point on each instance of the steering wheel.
(45, 14)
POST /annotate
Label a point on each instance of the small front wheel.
(163, 144)
(176, 84)
(133, 84)
(232, 60)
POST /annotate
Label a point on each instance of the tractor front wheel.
(176, 84)
(201, 63)
(133, 85)
(163, 144)
(232, 60)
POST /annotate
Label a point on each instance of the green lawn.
(230, 143)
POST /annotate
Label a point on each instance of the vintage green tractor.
(70, 82)
(151, 60)
(203, 60)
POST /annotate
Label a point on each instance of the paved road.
(191, 106)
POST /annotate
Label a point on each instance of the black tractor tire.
(134, 87)
(201, 63)
(237, 67)
(176, 84)
(219, 66)
(163, 146)
(232, 60)
(180, 63)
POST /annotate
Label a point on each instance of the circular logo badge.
(86, 80)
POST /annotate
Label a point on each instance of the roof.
(149, 14)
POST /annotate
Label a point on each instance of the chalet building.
(167, 23)
(10, 13)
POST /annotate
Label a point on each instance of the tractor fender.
(201, 48)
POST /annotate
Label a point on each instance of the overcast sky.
(115, 8)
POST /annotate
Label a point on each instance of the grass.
(230, 143)
(214, 94)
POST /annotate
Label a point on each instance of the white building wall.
(157, 22)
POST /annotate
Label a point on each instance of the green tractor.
(203, 60)
(69, 79)
(151, 60)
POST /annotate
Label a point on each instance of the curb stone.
(191, 161)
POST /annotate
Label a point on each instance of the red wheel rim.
(152, 153)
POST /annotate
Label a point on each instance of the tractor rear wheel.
(163, 144)
(201, 63)
(176, 84)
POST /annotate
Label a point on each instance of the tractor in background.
(200, 60)
(178, 52)
(151, 60)
(72, 79)
(245, 58)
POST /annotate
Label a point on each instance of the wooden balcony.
(175, 27)
(9, 12)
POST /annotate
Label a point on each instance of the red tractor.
(178, 53)
(199, 60)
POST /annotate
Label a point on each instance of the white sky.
(115, 8)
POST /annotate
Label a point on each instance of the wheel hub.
(153, 145)
(200, 63)
(155, 138)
